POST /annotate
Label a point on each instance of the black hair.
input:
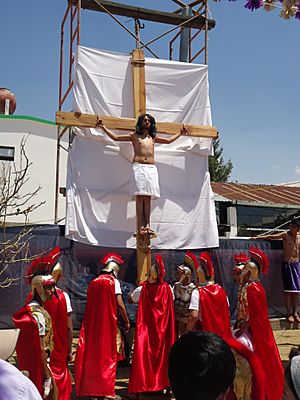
(295, 351)
(201, 366)
(139, 125)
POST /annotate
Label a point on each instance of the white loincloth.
(144, 181)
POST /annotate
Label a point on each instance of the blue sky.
(254, 69)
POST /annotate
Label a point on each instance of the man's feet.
(297, 318)
(146, 230)
(290, 319)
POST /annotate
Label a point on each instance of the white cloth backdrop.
(99, 208)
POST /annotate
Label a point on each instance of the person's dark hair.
(295, 351)
(139, 125)
(201, 366)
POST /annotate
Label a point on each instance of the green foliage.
(219, 170)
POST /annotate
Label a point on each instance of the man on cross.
(144, 183)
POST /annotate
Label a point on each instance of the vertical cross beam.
(143, 249)
(138, 79)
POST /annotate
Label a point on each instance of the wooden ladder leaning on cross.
(128, 124)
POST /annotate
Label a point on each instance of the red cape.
(57, 308)
(28, 347)
(214, 310)
(216, 318)
(263, 340)
(96, 355)
(154, 337)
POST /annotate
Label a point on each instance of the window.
(7, 153)
(253, 220)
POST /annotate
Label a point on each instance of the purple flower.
(253, 4)
(298, 11)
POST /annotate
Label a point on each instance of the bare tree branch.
(15, 200)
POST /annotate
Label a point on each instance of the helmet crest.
(206, 264)
(260, 258)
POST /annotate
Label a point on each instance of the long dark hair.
(139, 125)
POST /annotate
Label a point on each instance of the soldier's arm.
(70, 336)
(122, 310)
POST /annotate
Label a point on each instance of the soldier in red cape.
(154, 332)
(209, 308)
(253, 317)
(35, 342)
(209, 304)
(97, 351)
(59, 308)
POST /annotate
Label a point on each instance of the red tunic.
(154, 336)
(263, 340)
(96, 355)
(57, 308)
(28, 347)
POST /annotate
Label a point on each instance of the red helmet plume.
(240, 258)
(260, 258)
(43, 264)
(206, 264)
(161, 267)
(112, 257)
(191, 261)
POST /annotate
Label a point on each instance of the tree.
(218, 169)
(289, 8)
(15, 200)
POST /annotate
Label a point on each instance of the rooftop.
(250, 194)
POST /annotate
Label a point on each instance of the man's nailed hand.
(184, 131)
(99, 123)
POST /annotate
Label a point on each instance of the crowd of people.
(183, 338)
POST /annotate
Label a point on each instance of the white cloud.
(297, 170)
(276, 166)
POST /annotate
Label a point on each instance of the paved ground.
(286, 336)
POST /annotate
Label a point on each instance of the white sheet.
(99, 209)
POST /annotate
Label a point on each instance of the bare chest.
(291, 248)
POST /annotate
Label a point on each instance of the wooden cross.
(128, 124)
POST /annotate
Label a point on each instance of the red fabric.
(258, 389)
(28, 347)
(214, 310)
(154, 336)
(263, 340)
(96, 355)
(57, 308)
(216, 318)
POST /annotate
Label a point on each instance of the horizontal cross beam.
(128, 124)
(145, 14)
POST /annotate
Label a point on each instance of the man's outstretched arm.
(183, 132)
(113, 136)
(275, 236)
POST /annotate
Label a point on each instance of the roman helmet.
(190, 265)
(205, 271)
(240, 261)
(39, 272)
(157, 270)
(112, 262)
(258, 262)
(56, 268)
